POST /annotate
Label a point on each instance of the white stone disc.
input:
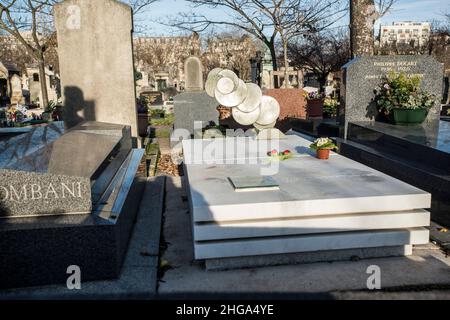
(214, 72)
(261, 127)
(245, 118)
(225, 85)
(211, 85)
(270, 111)
(253, 100)
(233, 99)
(230, 74)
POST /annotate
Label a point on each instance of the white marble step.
(310, 243)
(311, 225)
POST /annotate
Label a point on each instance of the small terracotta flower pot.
(323, 154)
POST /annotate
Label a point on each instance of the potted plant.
(401, 101)
(47, 115)
(330, 108)
(323, 146)
(143, 116)
(315, 104)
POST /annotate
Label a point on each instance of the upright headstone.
(193, 72)
(193, 109)
(16, 90)
(96, 62)
(362, 75)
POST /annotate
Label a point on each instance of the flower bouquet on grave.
(400, 99)
(280, 156)
(14, 116)
(323, 146)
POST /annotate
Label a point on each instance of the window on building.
(35, 77)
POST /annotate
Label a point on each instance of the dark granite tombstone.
(194, 105)
(191, 107)
(416, 154)
(66, 198)
(363, 74)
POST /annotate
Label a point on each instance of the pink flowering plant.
(400, 91)
(281, 156)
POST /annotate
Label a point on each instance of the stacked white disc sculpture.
(249, 106)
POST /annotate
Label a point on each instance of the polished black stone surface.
(38, 250)
(436, 136)
(80, 151)
(418, 155)
(427, 145)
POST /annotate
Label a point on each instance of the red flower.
(287, 152)
(274, 152)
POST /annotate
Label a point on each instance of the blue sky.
(403, 10)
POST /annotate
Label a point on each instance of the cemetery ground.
(160, 261)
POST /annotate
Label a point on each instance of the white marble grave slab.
(308, 186)
(320, 205)
(311, 243)
(311, 225)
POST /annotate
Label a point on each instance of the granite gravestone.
(35, 194)
(195, 105)
(16, 90)
(67, 197)
(36, 180)
(363, 74)
(193, 71)
(96, 62)
(191, 107)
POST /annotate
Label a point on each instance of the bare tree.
(363, 15)
(264, 19)
(33, 16)
(30, 22)
(140, 7)
(321, 53)
(230, 50)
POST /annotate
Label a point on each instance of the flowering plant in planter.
(314, 107)
(401, 98)
(330, 107)
(314, 95)
(323, 146)
(281, 156)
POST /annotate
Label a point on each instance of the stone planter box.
(315, 108)
(143, 123)
(408, 116)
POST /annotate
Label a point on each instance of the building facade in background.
(415, 34)
(160, 60)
